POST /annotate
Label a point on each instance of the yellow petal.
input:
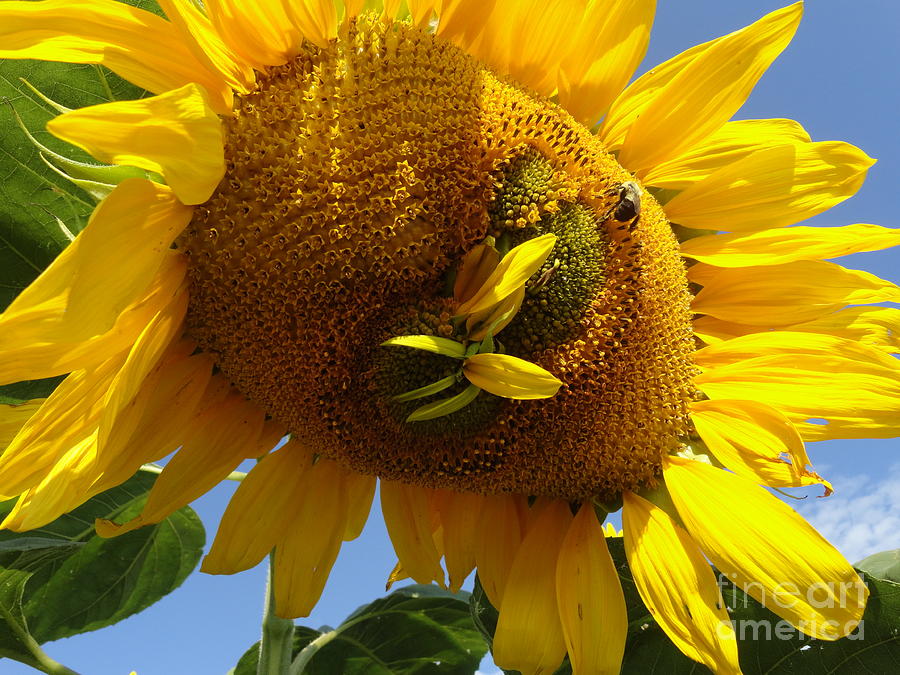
(731, 142)
(136, 44)
(510, 377)
(755, 441)
(778, 558)
(462, 21)
(774, 247)
(126, 420)
(40, 344)
(77, 475)
(14, 417)
(529, 636)
(397, 574)
(316, 20)
(216, 442)
(421, 11)
(428, 343)
(460, 516)
(176, 134)
(499, 536)
(711, 330)
(257, 515)
(493, 33)
(310, 544)
(608, 45)
(678, 585)
(261, 32)
(707, 92)
(477, 325)
(407, 515)
(590, 599)
(630, 105)
(610, 530)
(74, 465)
(852, 388)
(162, 413)
(877, 327)
(511, 274)
(360, 492)
(772, 187)
(782, 295)
(874, 326)
(60, 490)
(106, 269)
(68, 416)
(474, 270)
(205, 44)
(270, 438)
(144, 356)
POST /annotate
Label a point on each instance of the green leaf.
(14, 394)
(14, 637)
(428, 343)
(884, 565)
(428, 389)
(484, 614)
(77, 581)
(416, 630)
(445, 406)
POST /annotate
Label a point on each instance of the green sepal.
(429, 343)
(487, 343)
(58, 107)
(428, 389)
(445, 406)
(98, 180)
(97, 190)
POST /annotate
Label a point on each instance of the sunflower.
(447, 249)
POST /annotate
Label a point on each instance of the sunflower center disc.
(358, 176)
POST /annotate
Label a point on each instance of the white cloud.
(862, 516)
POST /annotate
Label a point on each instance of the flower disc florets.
(358, 178)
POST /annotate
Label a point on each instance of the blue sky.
(840, 79)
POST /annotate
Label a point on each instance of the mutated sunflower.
(449, 250)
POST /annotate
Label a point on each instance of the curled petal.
(755, 441)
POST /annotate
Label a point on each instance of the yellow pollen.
(358, 177)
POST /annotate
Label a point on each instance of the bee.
(629, 206)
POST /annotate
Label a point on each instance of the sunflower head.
(358, 178)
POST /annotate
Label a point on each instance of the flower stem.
(275, 648)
